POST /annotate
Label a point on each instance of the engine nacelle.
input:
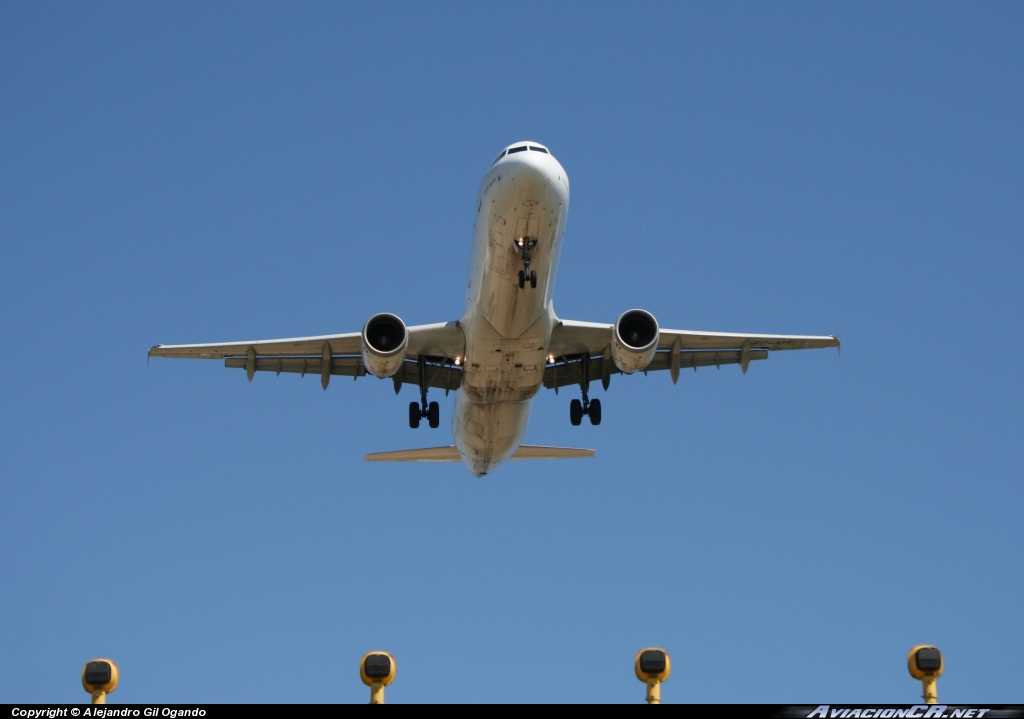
(634, 340)
(385, 340)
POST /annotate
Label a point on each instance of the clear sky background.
(188, 172)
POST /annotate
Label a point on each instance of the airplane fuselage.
(521, 207)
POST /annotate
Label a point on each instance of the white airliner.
(509, 343)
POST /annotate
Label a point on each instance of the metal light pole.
(652, 667)
(99, 678)
(925, 664)
(377, 670)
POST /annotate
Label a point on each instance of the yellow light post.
(925, 664)
(377, 670)
(652, 667)
(99, 678)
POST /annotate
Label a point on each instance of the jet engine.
(385, 340)
(634, 340)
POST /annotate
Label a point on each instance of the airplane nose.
(537, 173)
(526, 169)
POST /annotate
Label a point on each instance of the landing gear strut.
(524, 248)
(586, 406)
(421, 409)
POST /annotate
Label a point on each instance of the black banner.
(770, 711)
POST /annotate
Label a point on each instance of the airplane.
(509, 342)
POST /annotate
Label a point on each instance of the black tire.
(414, 415)
(533, 279)
(595, 412)
(576, 412)
(522, 279)
(434, 415)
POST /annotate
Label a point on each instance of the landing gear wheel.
(533, 279)
(595, 412)
(434, 415)
(522, 279)
(576, 412)
(414, 415)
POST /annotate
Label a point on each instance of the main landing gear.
(524, 247)
(419, 410)
(589, 407)
(586, 406)
(431, 411)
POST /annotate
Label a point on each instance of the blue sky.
(187, 172)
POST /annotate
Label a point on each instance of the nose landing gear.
(523, 278)
(524, 247)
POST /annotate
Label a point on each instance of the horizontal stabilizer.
(427, 454)
(532, 451)
(451, 454)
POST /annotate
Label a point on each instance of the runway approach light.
(99, 678)
(925, 663)
(652, 667)
(377, 670)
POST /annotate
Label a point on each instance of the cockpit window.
(520, 148)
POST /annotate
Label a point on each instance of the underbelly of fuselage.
(487, 433)
(507, 326)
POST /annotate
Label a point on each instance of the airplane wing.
(582, 351)
(428, 359)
